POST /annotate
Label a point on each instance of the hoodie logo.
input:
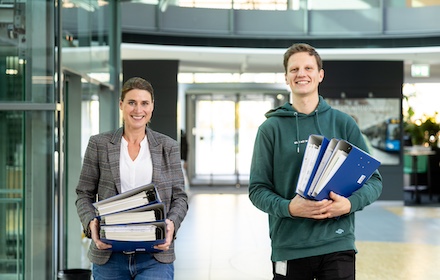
(299, 142)
(340, 231)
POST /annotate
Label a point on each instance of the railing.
(291, 4)
(366, 20)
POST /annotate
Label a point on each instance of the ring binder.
(131, 234)
(339, 166)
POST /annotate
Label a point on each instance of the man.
(310, 239)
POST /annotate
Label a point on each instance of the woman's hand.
(168, 238)
(94, 228)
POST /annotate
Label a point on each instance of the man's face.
(303, 75)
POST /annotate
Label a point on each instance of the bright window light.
(423, 98)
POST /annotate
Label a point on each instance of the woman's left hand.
(168, 238)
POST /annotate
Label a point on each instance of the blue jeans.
(139, 266)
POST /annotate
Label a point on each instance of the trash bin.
(75, 274)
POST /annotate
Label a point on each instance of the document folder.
(355, 168)
(132, 215)
(316, 147)
(137, 197)
(325, 158)
(139, 246)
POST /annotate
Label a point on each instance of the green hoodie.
(276, 162)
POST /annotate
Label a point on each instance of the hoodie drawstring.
(297, 132)
(317, 122)
(297, 142)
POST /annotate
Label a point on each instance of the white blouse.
(137, 172)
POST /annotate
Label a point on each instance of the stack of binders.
(133, 220)
(333, 165)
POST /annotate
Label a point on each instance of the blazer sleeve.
(179, 199)
(88, 185)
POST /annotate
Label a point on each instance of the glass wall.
(26, 142)
(90, 82)
(86, 31)
(40, 233)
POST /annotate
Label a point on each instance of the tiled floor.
(224, 237)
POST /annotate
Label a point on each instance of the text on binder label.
(361, 179)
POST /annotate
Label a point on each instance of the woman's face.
(137, 108)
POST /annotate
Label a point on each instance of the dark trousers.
(334, 266)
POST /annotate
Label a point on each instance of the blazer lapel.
(114, 154)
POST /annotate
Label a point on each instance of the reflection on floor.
(224, 237)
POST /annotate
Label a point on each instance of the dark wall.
(162, 74)
(365, 79)
(359, 79)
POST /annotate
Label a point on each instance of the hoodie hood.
(287, 110)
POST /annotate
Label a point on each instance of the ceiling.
(259, 60)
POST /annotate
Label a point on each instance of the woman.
(118, 161)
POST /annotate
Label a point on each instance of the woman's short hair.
(137, 83)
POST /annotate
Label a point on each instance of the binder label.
(361, 179)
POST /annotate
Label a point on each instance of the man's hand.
(94, 228)
(334, 207)
(340, 206)
(169, 238)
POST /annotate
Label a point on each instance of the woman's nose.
(138, 107)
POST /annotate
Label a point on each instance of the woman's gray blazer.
(100, 178)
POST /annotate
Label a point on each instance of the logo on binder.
(340, 231)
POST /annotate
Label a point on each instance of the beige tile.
(224, 237)
(397, 261)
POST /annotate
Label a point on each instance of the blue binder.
(139, 246)
(316, 147)
(133, 246)
(325, 158)
(354, 171)
(152, 202)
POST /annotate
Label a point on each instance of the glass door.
(223, 134)
(214, 138)
(251, 110)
